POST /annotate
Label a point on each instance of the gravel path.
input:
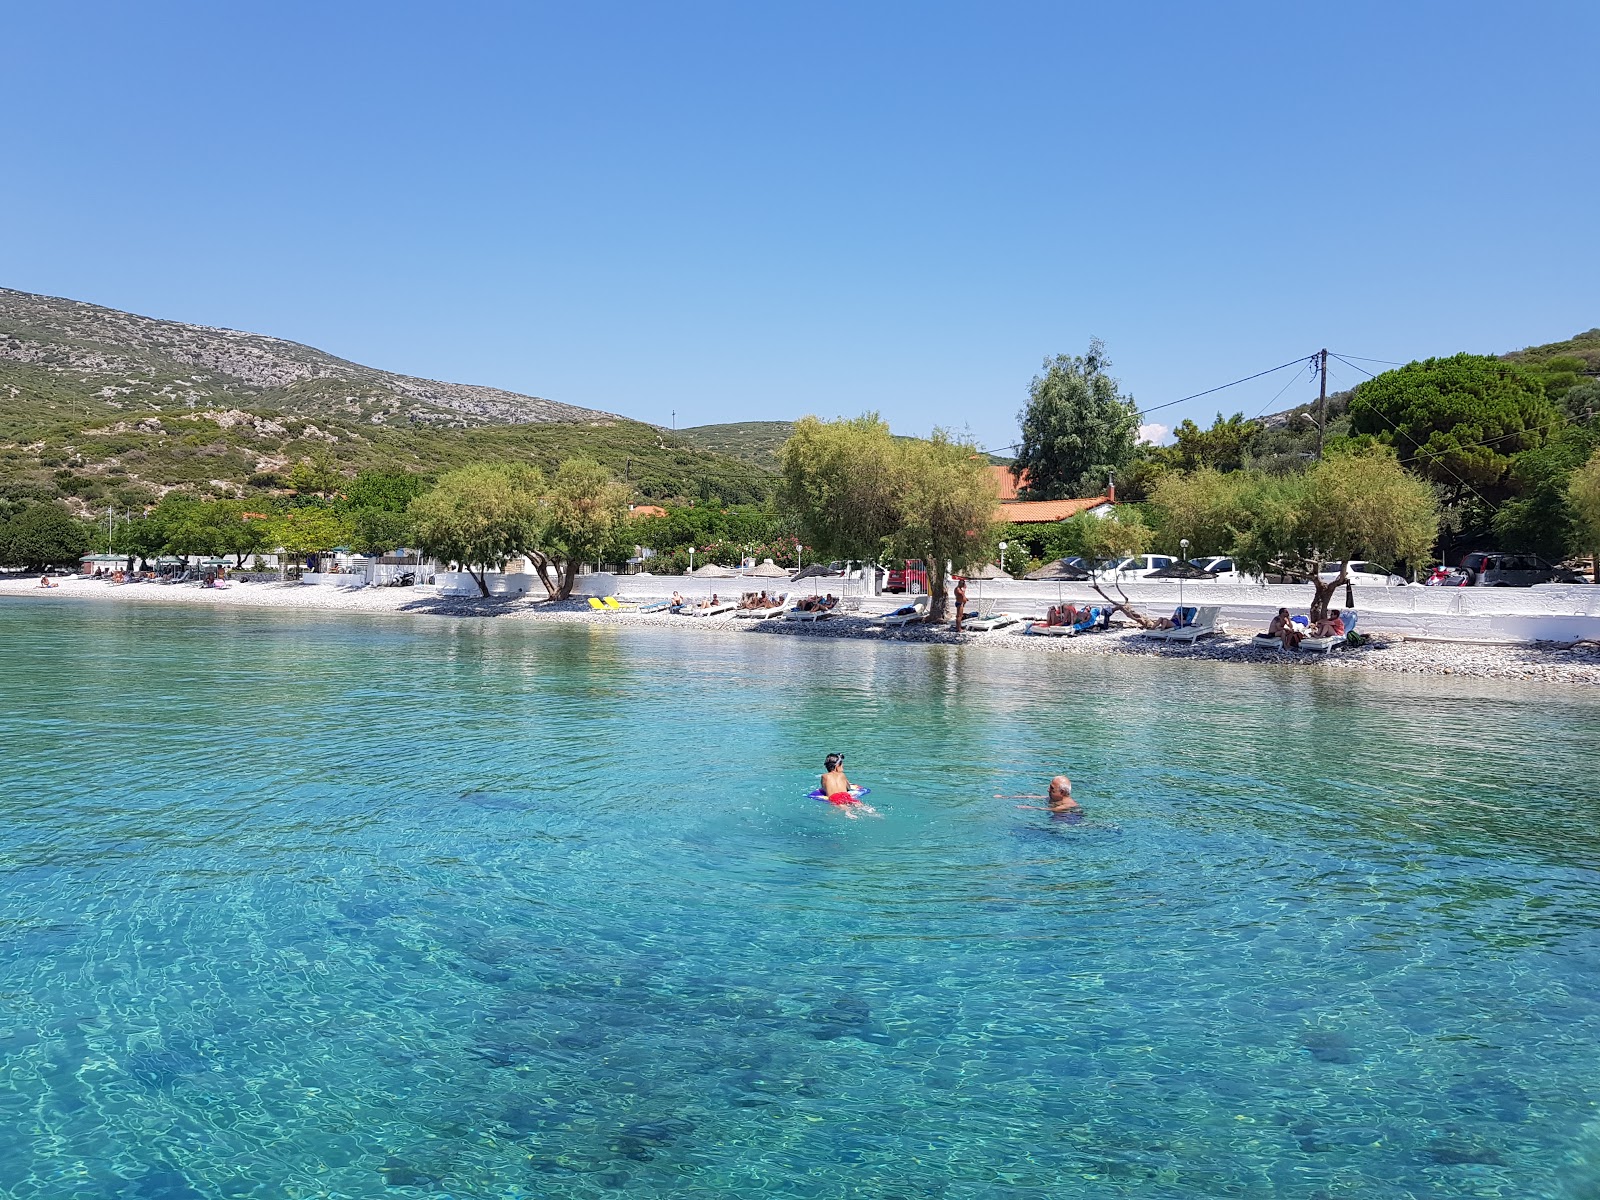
(1578, 664)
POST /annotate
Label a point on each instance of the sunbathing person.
(1331, 625)
(1285, 630)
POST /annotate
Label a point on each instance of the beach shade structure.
(815, 571)
(768, 570)
(712, 571)
(989, 571)
(1060, 569)
(1182, 570)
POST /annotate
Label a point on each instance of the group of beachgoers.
(836, 788)
(1291, 630)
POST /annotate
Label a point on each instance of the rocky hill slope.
(118, 360)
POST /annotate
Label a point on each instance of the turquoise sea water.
(302, 906)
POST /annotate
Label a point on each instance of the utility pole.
(1322, 401)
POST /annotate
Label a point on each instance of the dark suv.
(1492, 569)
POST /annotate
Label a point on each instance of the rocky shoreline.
(1558, 664)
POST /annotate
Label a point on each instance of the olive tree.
(584, 510)
(480, 516)
(948, 510)
(1583, 495)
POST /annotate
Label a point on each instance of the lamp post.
(1183, 547)
(1002, 556)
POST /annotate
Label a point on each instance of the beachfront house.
(1015, 511)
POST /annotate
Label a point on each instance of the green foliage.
(1457, 421)
(753, 442)
(317, 473)
(1582, 403)
(840, 485)
(1208, 507)
(1076, 429)
(1583, 494)
(42, 536)
(385, 491)
(1540, 517)
(585, 509)
(378, 531)
(856, 492)
(1224, 447)
(308, 530)
(481, 516)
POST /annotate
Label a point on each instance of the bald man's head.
(1061, 786)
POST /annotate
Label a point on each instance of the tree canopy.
(41, 536)
(1077, 429)
(481, 516)
(857, 492)
(1583, 491)
(1457, 421)
(585, 507)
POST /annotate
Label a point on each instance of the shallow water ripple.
(300, 907)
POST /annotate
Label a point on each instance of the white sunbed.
(984, 622)
(1205, 624)
(716, 610)
(763, 614)
(1325, 644)
(808, 614)
(905, 614)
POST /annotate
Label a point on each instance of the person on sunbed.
(836, 787)
(1285, 630)
(44, 582)
(1178, 620)
(1058, 798)
(1331, 625)
(828, 602)
(676, 603)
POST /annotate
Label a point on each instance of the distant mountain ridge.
(145, 364)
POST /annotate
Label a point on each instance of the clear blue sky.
(754, 211)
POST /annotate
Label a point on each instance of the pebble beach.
(1574, 664)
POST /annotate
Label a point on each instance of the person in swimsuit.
(836, 787)
(1058, 798)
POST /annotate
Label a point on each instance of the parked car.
(1370, 573)
(1137, 566)
(1491, 568)
(912, 578)
(1222, 567)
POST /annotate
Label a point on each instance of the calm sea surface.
(297, 906)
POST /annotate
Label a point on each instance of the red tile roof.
(1036, 512)
(1005, 481)
(647, 510)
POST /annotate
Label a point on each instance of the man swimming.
(835, 787)
(1058, 798)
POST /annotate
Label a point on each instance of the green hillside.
(103, 407)
(753, 442)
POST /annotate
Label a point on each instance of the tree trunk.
(936, 597)
(1324, 592)
(481, 578)
(569, 575)
(542, 565)
(1123, 606)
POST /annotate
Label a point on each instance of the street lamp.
(1183, 547)
(1002, 556)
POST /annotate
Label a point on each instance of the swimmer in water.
(836, 787)
(1059, 801)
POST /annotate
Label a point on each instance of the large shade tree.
(1459, 421)
(1077, 429)
(857, 492)
(584, 510)
(481, 516)
(41, 536)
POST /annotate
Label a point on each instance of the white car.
(1137, 566)
(1222, 567)
(1364, 573)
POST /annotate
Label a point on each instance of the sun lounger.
(614, 605)
(807, 614)
(1202, 624)
(595, 604)
(658, 606)
(775, 609)
(1095, 620)
(984, 622)
(716, 610)
(1325, 644)
(905, 614)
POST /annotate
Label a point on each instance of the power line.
(1145, 412)
(1386, 362)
